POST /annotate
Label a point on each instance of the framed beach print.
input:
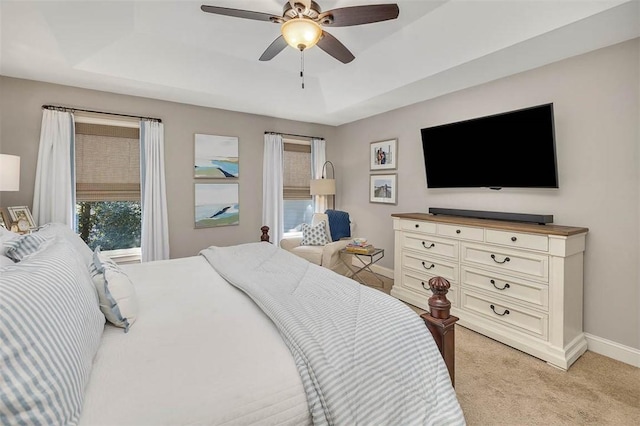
(21, 212)
(216, 157)
(384, 155)
(216, 204)
(383, 189)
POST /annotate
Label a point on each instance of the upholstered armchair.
(327, 255)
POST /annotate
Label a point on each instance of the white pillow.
(118, 300)
(65, 232)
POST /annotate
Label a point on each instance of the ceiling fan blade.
(274, 48)
(333, 47)
(358, 15)
(238, 13)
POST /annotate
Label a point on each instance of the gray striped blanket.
(364, 357)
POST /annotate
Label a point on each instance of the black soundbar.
(541, 219)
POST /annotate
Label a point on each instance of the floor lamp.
(324, 186)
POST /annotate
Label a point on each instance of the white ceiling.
(172, 50)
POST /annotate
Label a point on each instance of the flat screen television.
(515, 149)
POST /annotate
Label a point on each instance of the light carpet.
(499, 385)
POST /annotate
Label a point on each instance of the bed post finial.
(441, 323)
(439, 305)
(265, 234)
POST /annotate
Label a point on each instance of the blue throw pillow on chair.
(339, 224)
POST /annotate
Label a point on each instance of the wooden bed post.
(441, 324)
(265, 234)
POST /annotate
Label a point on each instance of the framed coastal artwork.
(383, 189)
(216, 157)
(384, 155)
(216, 204)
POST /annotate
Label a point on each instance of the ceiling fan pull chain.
(302, 66)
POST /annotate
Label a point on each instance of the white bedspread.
(201, 352)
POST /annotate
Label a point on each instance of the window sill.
(124, 256)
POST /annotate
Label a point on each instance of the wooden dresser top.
(532, 228)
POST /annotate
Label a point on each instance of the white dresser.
(518, 283)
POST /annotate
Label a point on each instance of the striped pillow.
(118, 301)
(18, 248)
(50, 330)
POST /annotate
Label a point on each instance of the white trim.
(122, 256)
(380, 270)
(614, 350)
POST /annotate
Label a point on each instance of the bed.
(204, 347)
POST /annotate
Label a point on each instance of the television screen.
(512, 149)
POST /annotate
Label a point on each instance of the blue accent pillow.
(339, 224)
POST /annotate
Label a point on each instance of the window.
(298, 204)
(108, 210)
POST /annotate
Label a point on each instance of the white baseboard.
(380, 270)
(614, 350)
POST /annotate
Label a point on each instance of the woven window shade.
(107, 163)
(297, 172)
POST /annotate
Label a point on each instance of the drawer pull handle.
(458, 231)
(506, 311)
(506, 259)
(425, 246)
(514, 239)
(506, 285)
(423, 286)
(417, 225)
(428, 267)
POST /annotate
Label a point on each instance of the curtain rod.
(291, 134)
(62, 108)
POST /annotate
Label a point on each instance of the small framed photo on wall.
(384, 155)
(383, 189)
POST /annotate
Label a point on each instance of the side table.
(366, 260)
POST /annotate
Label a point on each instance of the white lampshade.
(9, 172)
(301, 33)
(323, 186)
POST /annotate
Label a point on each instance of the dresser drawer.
(535, 294)
(522, 319)
(420, 284)
(526, 265)
(418, 226)
(518, 239)
(462, 232)
(430, 246)
(431, 266)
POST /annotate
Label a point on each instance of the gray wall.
(596, 106)
(20, 118)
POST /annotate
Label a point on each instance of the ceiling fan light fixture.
(301, 33)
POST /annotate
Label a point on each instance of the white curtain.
(54, 197)
(154, 242)
(272, 182)
(318, 158)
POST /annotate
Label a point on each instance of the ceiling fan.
(302, 21)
